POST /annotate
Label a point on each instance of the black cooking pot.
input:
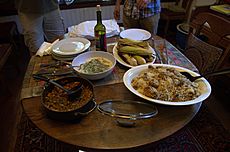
(87, 106)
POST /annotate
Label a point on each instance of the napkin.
(86, 29)
(45, 48)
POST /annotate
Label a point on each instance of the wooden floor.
(10, 104)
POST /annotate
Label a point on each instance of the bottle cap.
(98, 8)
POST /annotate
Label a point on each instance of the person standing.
(41, 20)
(143, 14)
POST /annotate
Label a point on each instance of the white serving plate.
(63, 58)
(121, 61)
(71, 46)
(135, 34)
(204, 85)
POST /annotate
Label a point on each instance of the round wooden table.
(100, 132)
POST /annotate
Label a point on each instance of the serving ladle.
(193, 78)
(73, 93)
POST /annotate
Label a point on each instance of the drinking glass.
(160, 46)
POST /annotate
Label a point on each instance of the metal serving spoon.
(193, 78)
(73, 93)
(73, 66)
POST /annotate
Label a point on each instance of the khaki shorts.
(36, 27)
(150, 23)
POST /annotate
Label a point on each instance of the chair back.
(179, 11)
(215, 29)
(186, 4)
(203, 55)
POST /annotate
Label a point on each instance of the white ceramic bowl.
(82, 58)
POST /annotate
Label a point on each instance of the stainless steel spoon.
(75, 66)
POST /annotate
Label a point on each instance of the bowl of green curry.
(94, 65)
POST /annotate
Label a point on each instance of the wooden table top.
(100, 132)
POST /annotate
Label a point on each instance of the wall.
(205, 2)
(72, 16)
(76, 16)
(198, 3)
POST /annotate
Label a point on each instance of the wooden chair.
(169, 15)
(215, 29)
(217, 32)
(203, 55)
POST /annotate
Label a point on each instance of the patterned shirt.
(131, 10)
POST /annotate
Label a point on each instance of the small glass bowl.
(127, 111)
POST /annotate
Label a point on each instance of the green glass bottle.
(100, 32)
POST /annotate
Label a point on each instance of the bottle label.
(100, 42)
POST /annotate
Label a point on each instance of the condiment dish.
(94, 65)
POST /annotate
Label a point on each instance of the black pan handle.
(43, 78)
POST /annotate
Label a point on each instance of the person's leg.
(32, 30)
(130, 23)
(151, 23)
(53, 25)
